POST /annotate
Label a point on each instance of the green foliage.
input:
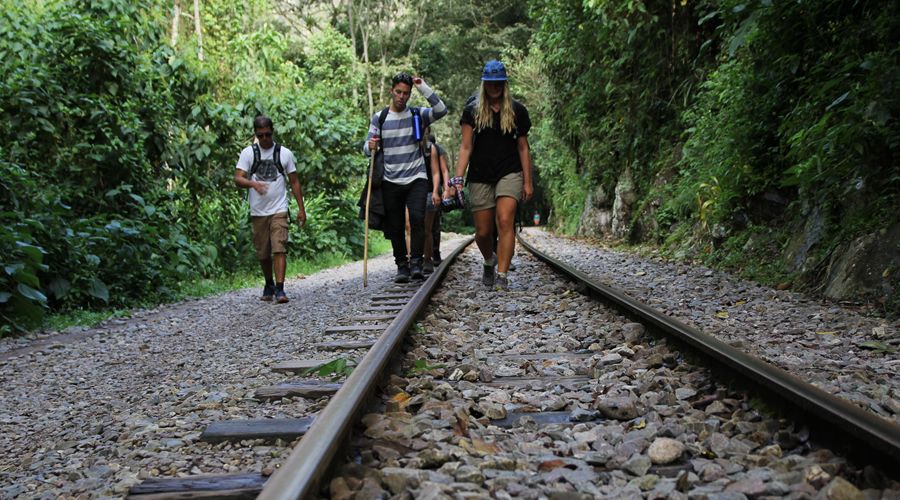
(337, 369)
(421, 366)
(118, 151)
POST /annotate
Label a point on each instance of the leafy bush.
(118, 152)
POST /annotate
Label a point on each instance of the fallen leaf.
(549, 465)
(740, 302)
(825, 333)
(401, 398)
(876, 346)
(640, 424)
(484, 447)
(722, 314)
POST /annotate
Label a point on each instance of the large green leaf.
(31, 293)
(99, 290)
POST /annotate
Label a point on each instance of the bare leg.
(266, 266)
(484, 232)
(280, 260)
(408, 235)
(506, 241)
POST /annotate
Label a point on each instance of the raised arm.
(437, 110)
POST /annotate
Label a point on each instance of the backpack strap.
(276, 157)
(256, 156)
(381, 118)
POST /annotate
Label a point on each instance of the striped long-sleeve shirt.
(403, 162)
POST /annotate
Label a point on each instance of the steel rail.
(300, 474)
(880, 435)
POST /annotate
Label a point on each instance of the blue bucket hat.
(494, 71)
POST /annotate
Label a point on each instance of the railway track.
(545, 393)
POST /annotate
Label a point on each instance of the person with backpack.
(265, 169)
(438, 179)
(396, 134)
(494, 149)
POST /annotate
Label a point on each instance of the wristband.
(456, 181)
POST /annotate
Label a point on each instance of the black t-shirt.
(495, 154)
(440, 152)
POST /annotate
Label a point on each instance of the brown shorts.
(483, 196)
(270, 234)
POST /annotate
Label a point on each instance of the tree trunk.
(353, 43)
(197, 29)
(176, 16)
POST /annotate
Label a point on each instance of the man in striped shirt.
(405, 184)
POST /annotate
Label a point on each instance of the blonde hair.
(484, 117)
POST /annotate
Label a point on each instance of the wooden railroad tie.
(346, 344)
(306, 389)
(265, 428)
(204, 486)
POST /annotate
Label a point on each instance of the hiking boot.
(428, 267)
(268, 292)
(415, 270)
(402, 275)
(487, 276)
(281, 297)
(501, 283)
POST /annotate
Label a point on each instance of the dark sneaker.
(281, 297)
(487, 276)
(415, 271)
(512, 266)
(268, 292)
(402, 274)
(428, 267)
(437, 261)
(501, 283)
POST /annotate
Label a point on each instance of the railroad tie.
(203, 486)
(310, 389)
(264, 428)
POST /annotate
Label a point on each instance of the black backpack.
(276, 158)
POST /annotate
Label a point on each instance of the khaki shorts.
(484, 196)
(270, 234)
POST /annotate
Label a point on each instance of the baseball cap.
(494, 71)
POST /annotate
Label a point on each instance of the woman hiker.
(494, 147)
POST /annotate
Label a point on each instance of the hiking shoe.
(512, 266)
(428, 267)
(487, 276)
(501, 283)
(415, 271)
(268, 292)
(281, 297)
(402, 275)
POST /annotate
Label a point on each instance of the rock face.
(605, 217)
(868, 266)
(622, 206)
(596, 218)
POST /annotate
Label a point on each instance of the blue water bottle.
(417, 125)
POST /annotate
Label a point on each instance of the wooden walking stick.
(366, 237)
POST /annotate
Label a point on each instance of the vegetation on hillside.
(120, 125)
